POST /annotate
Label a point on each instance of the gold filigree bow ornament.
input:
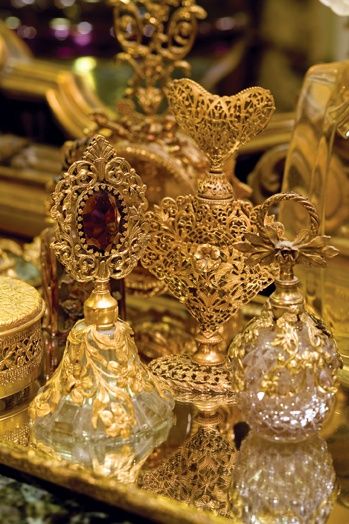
(288, 359)
(192, 238)
(100, 393)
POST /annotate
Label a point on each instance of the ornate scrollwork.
(98, 208)
(155, 38)
(192, 249)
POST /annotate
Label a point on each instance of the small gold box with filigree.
(21, 349)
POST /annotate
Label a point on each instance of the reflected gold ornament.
(192, 240)
(199, 472)
(21, 347)
(101, 409)
(289, 361)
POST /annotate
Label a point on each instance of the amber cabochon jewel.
(289, 359)
(101, 409)
(192, 237)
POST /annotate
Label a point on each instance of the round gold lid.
(20, 303)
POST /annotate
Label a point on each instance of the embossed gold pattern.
(21, 348)
(20, 304)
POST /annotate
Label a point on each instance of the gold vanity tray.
(211, 461)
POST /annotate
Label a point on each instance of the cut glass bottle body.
(108, 414)
(289, 367)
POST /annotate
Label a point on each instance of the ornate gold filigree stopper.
(192, 238)
(101, 406)
(288, 358)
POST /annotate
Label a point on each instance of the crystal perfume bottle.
(101, 409)
(289, 360)
(191, 246)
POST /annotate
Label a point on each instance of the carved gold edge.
(125, 496)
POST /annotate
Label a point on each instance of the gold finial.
(155, 38)
(271, 245)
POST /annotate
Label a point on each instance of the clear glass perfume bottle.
(288, 359)
(101, 409)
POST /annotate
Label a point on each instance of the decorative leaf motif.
(192, 248)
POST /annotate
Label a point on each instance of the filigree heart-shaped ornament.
(219, 124)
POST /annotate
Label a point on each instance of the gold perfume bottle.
(191, 245)
(101, 409)
(289, 360)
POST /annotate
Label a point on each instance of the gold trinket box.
(21, 349)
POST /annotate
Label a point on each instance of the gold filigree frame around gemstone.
(99, 169)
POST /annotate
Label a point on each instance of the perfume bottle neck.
(287, 296)
(101, 308)
(215, 186)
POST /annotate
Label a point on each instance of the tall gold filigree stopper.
(192, 238)
(289, 359)
(101, 409)
(155, 37)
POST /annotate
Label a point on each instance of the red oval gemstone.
(100, 220)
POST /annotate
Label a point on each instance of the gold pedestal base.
(204, 386)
